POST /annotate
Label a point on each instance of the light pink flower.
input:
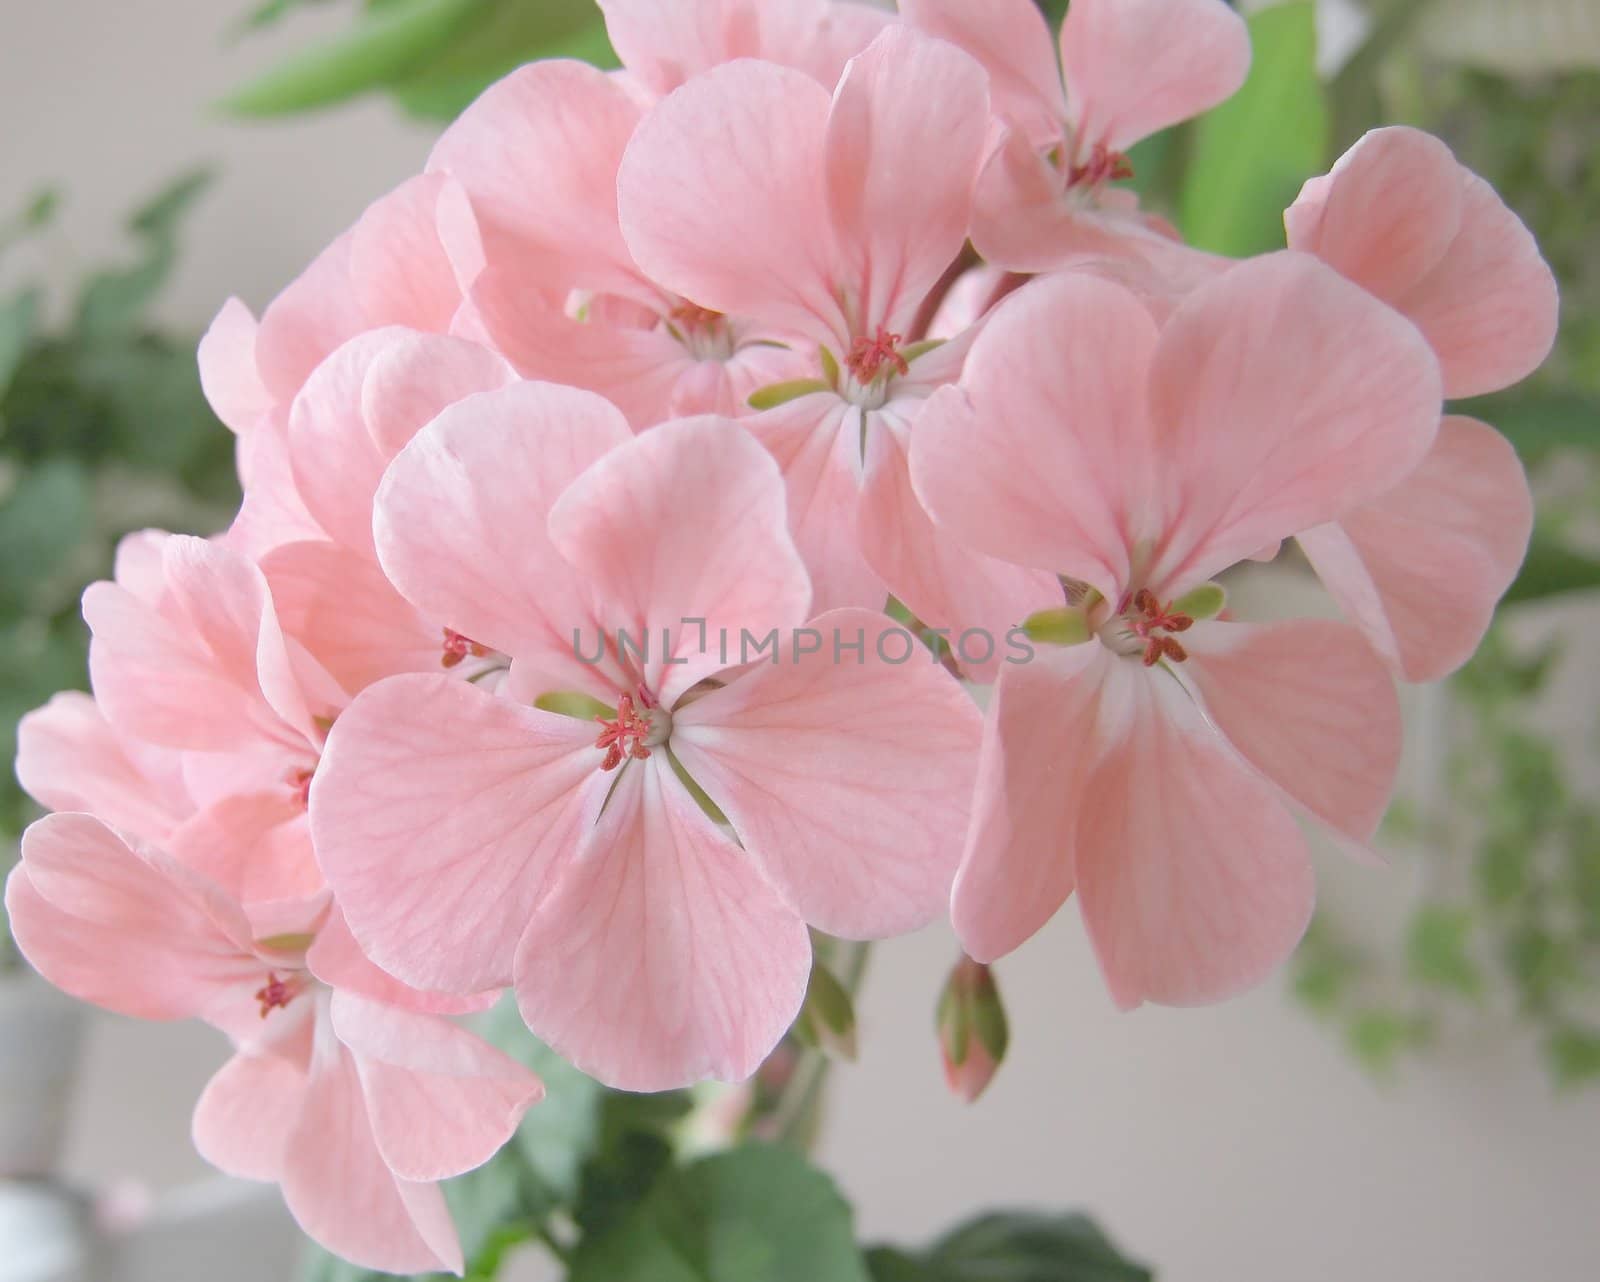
(1422, 569)
(406, 262)
(1132, 67)
(348, 1090)
(474, 839)
(750, 192)
(1150, 766)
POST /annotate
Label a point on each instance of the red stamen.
(626, 736)
(1104, 166)
(277, 993)
(1152, 624)
(457, 649)
(299, 782)
(869, 355)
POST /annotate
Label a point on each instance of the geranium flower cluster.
(550, 648)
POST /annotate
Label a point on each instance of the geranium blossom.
(1150, 765)
(347, 1088)
(750, 192)
(474, 839)
(1132, 68)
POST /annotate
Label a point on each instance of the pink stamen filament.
(869, 355)
(627, 736)
(277, 993)
(1104, 165)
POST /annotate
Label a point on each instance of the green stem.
(797, 1106)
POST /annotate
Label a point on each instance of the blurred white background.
(1232, 1145)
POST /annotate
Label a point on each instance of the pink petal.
(440, 815)
(337, 960)
(1013, 42)
(1386, 214)
(1311, 706)
(68, 758)
(1283, 396)
(440, 1100)
(1047, 458)
(1194, 880)
(1134, 67)
(900, 223)
(362, 405)
(1421, 569)
(255, 845)
(722, 198)
(243, 1118)
(136, 933)
(1490, 308)
(846, 777)
(273, 512)
(664, 956)
(1037, 753)
(683, 524)
(561, 127)
(228, 373)
(817, 443)
(343, 1195)
(461, 516)
(977, 599)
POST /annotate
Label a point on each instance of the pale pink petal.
(846, 775)
(1282, 396)
(337, 960)
(538, 154)
(401, 270)
(685, 523)
(817, 443)
(243, 1118)
(1311, 706)
(901, 223)
(1490, 308)
(314, 315)
(1046, 460)
(845, 29)
(1013, 42)
(273, 512)
(228, 373)
(664, 956)
(340, 606)
(68, 758)
(1038, 750)
(1194, 880)
(441, 815)
(255, 845)
(722, 198)
(1133, 67)
(1386, 213)
(134, 932)
(1421, 569)
(977, 599)
(342, 1194)
(440, 1100)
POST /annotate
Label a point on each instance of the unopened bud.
(827, 1021)
(973, 1034)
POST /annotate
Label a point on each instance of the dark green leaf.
(1026, 1246)
(1538, 423)
(755, 1214)
(386, 45)
(41, 523)
(1574, 1055)
(1251, 154)
(18, 317)
(1553, 569)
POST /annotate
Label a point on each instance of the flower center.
(705, 333)
(1144, 626)
(634, 731)
(1102, 166)
(299, 782)
(277, 993)
(869, 356)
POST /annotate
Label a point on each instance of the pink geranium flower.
(1132, 68)
(1422, 569)
(1150, 765)
(475, 839)
(347, 1090)
(750, 192)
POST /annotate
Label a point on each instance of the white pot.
(41, 1032)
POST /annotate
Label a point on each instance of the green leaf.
(386, 45)
(1438, 949)
(1251, 154)
(1539, 423)
(1552, 569)
(113, 301)
(18, 318)
(1574, 1055)
(42, 522)
(754, 1214)
(1379, 1037)
(1014, 1246)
